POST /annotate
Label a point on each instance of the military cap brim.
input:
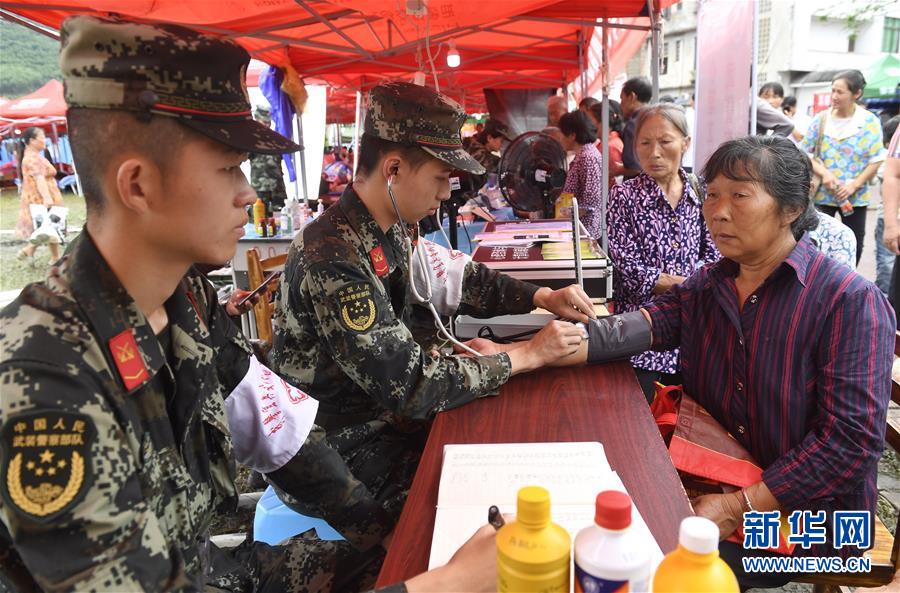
(244, 136)
(459, 159)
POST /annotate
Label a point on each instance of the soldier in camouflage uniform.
(128, 394)
(484, 146)
(266, 176)
(343, 324)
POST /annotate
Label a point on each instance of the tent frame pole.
(754, 68)
(654, 48)
(604, 171)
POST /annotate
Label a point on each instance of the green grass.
(15, 274)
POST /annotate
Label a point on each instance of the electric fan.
(532, 172)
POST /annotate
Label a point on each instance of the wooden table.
(598, 403)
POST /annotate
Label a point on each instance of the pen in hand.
(495, 518)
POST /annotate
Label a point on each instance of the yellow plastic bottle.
(259, 216)
(695, 566)
(532, 551)
(563, 206)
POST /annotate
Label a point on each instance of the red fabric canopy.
(47, 101)
(351, 45)
(512, 44)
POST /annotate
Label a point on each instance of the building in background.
(802, 44)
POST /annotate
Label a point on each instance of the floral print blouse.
(584, 181)
(848, 146)
(648, 237)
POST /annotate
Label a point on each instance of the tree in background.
(27, 60)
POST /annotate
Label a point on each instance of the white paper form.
(474, 477)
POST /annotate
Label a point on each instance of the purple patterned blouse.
(647, 237)
(584, 181)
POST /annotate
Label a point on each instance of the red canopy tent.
(47, 101)
(354, 45)
(43, 108)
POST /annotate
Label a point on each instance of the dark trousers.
(732, 553)
(856, 222)
(648, 380)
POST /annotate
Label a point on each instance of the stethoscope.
(424, 299)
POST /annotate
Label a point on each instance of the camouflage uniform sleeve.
(320, 484)
(99, 533)
(317, 472)
(487, 293)
(377, 351)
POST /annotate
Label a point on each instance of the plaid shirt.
(801, 376)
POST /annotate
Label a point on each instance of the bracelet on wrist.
(747, 506)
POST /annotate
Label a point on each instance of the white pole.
(654, 49)
(604, 187)
(356, 132)
(297, 169)
(302, 175)
(754, 84)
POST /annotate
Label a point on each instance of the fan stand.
(548, 203)
(452, 213)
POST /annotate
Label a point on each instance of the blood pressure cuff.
(618, 336)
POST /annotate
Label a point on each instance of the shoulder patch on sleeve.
(357, 308)
(46, 467)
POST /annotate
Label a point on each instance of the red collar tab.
(128, 360)
(379, 262)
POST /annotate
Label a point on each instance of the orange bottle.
(695, 566)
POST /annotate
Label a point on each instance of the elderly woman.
(786, 348)
(657, 236)
(584, 179)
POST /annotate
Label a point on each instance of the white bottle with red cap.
(609, 555)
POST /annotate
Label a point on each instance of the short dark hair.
(494, 128)
(373, 149)
(641, 88)
(774, 87)
(790, 101)
(587, 103)
(98, 136)
(578, 123)
(775, 163)
(616, 119)
(855, 80)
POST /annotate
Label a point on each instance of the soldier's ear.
(137, 184)
(391, 167)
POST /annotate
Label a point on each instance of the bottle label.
(846, 207)
(588, 583)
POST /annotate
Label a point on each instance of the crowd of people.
(130, 394)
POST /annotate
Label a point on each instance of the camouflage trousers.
(380, 456)
(302, 564)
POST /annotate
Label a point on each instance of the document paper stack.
(474, 477)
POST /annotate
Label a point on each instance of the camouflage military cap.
(409, 114)
(166, 70)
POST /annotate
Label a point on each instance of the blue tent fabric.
(282, 110)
